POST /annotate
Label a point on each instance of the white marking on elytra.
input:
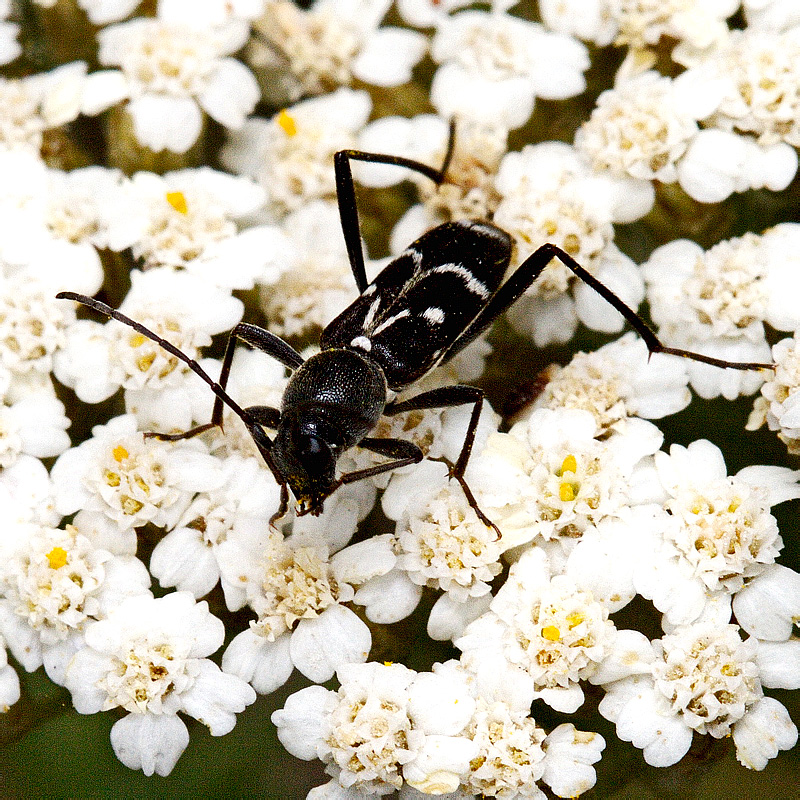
(416, 257)
(373, 309)
(434, 315)
(370, 290)
(386, 323)
(362, 342)
(472, 283)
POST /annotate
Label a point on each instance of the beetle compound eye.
(310, 445)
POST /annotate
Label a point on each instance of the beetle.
(423, 308)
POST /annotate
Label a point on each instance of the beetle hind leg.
(448, 397)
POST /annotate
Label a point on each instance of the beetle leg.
(346, 195)
(530, 269)
(447, 397)
(252, 421)
(403, 451)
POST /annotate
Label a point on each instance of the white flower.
(551, 478)
(99, 358)
(100, 12)
(299, 594)
(79, 204)
(291, 155)
(428, 13)
(568, 767)
(385, 726)
(752, 79)
(53, 222)
(703, 678)
(541, 630)
(697, 24)
(642, 24)
(617, 381)
(495, 65)
(254, 379)
(769, 606)
(9, 681)
(186, 558)
(130, 479)
(33, 324)
(188, 220)
(438, 432)
(32, 421)
(647, 128)
(335, 41)
(773, 15)
(722, 534)
(317, 284)
(641, 128)
(511, 756)
(514, 753)
(468, 191)
(440, 542)
(171, 73)
(778, 403)
(33, 105)
(26, 495)
(209, 12)
(719, 162)
(148, 657)
(589, 20)
(53, 584)
(716, 302)
(548, 193)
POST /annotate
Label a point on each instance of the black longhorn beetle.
(425, 306)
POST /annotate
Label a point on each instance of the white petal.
(368, 559)
(631, 654)
(779, 664)
(565, 699)
(231, 94)
(264, 665)
(768, 606)
(299, 722)
(448, 619)
(149, 743)
(440, 763)
(320, 646)
(455, 92)
(762, 732)
(389, 56)
(103, 89)
(389, 598)
(664, 740)
(84, 672)
(570, 754)
(166, 123)
(713, 166)
(216, 697)
(181, 559)
(440, 706)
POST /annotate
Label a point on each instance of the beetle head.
(307, 462)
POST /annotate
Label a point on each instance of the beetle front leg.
(256, 337)
(449, 397)
(402, 451)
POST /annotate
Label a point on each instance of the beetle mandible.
(423, 308)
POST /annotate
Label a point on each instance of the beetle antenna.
(97, 305)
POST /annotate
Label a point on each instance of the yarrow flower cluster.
(595, 549)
